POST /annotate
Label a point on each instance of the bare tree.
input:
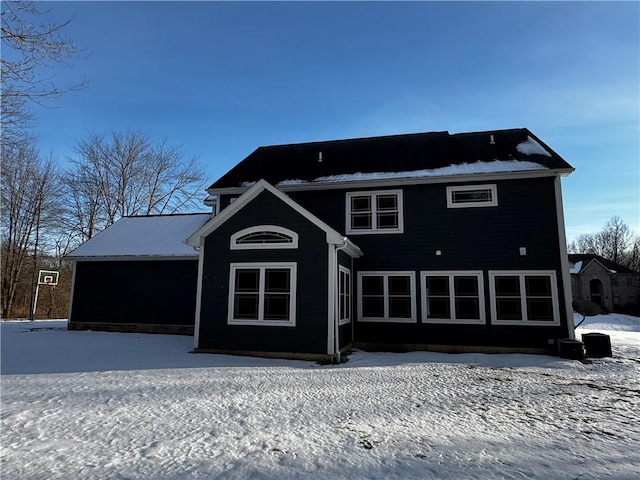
(615, 242)
(124, 173)
(29, 208)
(31, 49)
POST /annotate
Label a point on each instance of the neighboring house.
(609, 284)
(137, 275)
(420, 241)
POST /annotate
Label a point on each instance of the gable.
(261, 203)
(593, 261)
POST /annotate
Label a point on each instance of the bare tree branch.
(122, 173)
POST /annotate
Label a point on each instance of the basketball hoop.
(48, 277)
(45, 277)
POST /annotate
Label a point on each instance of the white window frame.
(234, 245)
(344, 297)
(291, 266)
(374, 227)
(521, 274)
(452, 297)
(386, 275)
(467, 188)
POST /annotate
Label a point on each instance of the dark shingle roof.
(585, 258)
(395, 153)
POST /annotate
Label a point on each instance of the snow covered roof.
(410, 156)
(155, 236)
(580, 262)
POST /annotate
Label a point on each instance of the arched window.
(264, 236)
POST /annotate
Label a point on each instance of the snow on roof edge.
(144, 237)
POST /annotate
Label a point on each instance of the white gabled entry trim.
(335, 242)
(333, 236)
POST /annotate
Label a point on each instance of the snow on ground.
(96, 405)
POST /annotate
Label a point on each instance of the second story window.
(374, 212)
(264, 236)
(465, 196)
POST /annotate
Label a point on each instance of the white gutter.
(471, 177)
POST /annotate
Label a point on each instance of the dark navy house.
(439, 241)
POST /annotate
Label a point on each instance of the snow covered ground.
(96, 405)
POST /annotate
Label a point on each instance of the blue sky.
(222, 78)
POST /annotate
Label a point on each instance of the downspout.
(337, 356)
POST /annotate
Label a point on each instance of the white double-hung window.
(262, 294)
(524, 298)
(452, 297)
(344, 294)
(386, 297)
(374, 212)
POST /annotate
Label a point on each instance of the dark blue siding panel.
(149, 292)
(482, 238)
(310, 333)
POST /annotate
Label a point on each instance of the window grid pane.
(345, 296)
(264, 237)
(245, 306)
(472, 196)
(399, 292)
(438, 299)
(276, 306)
(539, 298)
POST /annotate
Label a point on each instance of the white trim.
(262, 266)
(200, 279)
(451, 274)
(134, 258)
(333, 237)
(395, 182)
(386, 275)
(347, 320)
(332, 259)
(233, 245)
(521, 274)
(372, 194)
(492, 187)
(73, 287)
(564, 260)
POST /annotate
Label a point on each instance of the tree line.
(615, 241)
(48, 208)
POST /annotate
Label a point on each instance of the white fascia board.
(333, 237)
(224, 215)
(386, 183)
(132, 258)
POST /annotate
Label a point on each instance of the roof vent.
(491, 140)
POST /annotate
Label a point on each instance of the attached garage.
(138, 275)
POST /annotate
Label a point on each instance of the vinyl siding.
(309, 335)
(484, 238)
(141, 292)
